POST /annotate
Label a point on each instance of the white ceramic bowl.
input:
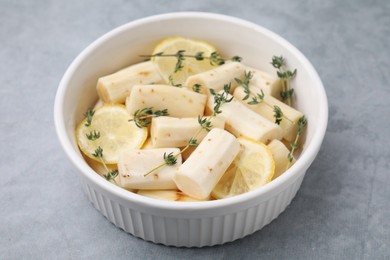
(192, 224)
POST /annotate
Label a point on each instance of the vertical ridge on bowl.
(110, 208)
(137, 223)
(118, 216)
(217, 231)
(248, 222)
(205, 233)
(160, 229)
(130, 225)
(227, 227)
(147, 233)
(239, 223)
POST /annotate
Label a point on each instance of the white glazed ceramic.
(189, 224)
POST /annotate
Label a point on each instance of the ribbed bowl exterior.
(192, 232)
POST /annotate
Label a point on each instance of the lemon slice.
(190, 66)
(115, 133)
(253, 168)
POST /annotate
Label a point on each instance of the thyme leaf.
(111, 175)
(98, 152)
(278, 114)
(205, 123)
(170, 159)
(143, 117)
(93, 135)
(180, 58)
(193, 142)
(196, 88)
(302, 122)
(279, 63)
(178, 85)
(89, 115)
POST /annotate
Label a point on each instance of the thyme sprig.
(248, 75)
(143, 117)
(111, 174)
(221, 98)
(279, 63)
(257, 98)
(205, 123)
(302, 122)
(214, 58)
(93, 136)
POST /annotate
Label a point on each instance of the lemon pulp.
(253, 168)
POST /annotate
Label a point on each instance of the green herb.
(286, 76)
(89, 114)
(302, 122)
(197, 88)
(287, 95)
(236, 58)
(257, 98)
(221, 98)
(170, 159)
(98, 152)
(193, 142)
(245, 83)
(143, 117)
(214, 58)
(93, 135)
(180, 59)
(111, 175)
(278, 114)
(178, 85)
(205, 123)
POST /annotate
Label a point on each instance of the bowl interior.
(122, 47)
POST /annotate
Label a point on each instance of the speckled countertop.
(342, 210)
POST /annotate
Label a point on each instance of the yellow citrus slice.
(189, 66)
(110, 130)
(253, 168)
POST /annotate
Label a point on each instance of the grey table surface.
(342, 210)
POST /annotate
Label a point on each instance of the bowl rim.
(301, 164)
